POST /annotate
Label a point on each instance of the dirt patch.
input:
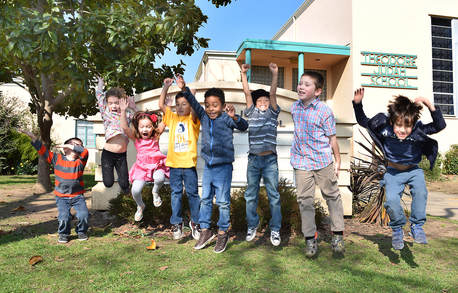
(448, 184)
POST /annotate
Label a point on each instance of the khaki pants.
(305, 188)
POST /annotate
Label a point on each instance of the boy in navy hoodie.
(218, 154)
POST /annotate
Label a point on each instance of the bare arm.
(246, 88)
(273, 86)
(336, 152)
(167, 83)
(124, 125)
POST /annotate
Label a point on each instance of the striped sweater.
(68, 174)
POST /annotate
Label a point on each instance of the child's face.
(213, 107)
(113, 104)
(70, 152)
(306, 89)
(145, 128)
(183, 107)
(262, 103)
(401, 129)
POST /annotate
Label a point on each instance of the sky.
(228, 26)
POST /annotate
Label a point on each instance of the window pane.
(442, 87)
(440, 31)
(443, 99)
(442, 64)
(442, 76)
(262, 75)
(441, 21)
(442, 43)
(442, 53)
(446, 109)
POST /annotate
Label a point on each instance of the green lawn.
(21, 180)
(109, 263)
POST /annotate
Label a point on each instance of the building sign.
(389, 70)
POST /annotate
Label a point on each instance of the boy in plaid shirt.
(311, 157)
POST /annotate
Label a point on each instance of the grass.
(23, 180)
(109, 263)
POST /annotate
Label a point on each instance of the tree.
(59, 47)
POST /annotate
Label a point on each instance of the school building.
(389, 47)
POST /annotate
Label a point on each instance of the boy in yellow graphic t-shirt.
(182, 158)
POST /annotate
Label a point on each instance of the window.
(322, 72)
(84, 131)
(262, 75)
(444, 54)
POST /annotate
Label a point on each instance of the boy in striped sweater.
(69, 185)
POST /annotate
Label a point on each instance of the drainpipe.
(300, 66)
(248, 61)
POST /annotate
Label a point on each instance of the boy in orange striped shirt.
(69, 185)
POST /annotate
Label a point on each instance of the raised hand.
(168, 82)
(62, 146)
(230, 110)
(100, 83)
(131, 102)
(245, 68)
(28, 133)
(359, 95)
(123, 104)
(273, 68)
(426, 102)
(180, 81)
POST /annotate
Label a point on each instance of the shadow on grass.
(384, 246)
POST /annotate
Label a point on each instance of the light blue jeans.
(216, 181)
(188, 176)
(395, 181)
(267, 168)
(64, 204)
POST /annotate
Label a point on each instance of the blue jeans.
(267, 167)
(189, 177)
(216, 181)
(395, 181)
(64, 204)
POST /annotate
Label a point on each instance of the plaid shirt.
(313, 124)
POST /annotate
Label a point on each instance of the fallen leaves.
(163, 268)
(152, 245)
(18, 209)
(35, 259)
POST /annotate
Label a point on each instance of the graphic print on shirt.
(181, 137)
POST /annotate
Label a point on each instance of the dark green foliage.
(450, 163)
(125, 207)
(435, 173)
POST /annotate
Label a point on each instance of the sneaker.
(418, 234)
(157, 201)
(397, 239)
(337, 244)
(82, 236)
(177, 230)
(275, 238)
(221, 242)
(62, 238)
(139, 214)
(311, 247)
(205, 237)
(251, 233)
(195, 230)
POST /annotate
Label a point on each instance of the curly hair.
(115, 92)
(405, 109)
(153, 116)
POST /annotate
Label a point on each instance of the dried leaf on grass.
(126, 273)
(35, 259)
(163, 268)
(59, 259)
(152, 245)
(18, 209)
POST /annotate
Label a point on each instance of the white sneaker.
(139, 214)
(275, 238)
(251, 233)
(157, 201)
(177, 231)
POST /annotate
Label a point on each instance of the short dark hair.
(259, 93)
(316, 76)
(179, 95)
(73, 138)
(115, 92)
(405, 109)
(217, 92)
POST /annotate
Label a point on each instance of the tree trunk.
(45, 123)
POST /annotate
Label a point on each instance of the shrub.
(435, 173)
(450, 163)
(124, 207)
(27, 168)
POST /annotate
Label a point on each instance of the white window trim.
(454, 25)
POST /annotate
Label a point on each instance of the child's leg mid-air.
(159, 178)
(137, 187)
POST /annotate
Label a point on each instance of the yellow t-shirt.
(183, 136)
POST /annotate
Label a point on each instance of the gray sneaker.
(337, 244)
(311, 247)
(62, 238)
(177, 230)
(251, 233)
(195, 230)
(206, 236)
(221, 242)
(275, 238)
(82, 236)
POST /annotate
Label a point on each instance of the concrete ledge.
(101, 195)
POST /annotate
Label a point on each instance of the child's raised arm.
(438, 120)
(361, 117)
(167, 83)
(123, 104)
(246, 89)
(100, 95)
(199, 110)
(238, 122)
(273, 86)
(28, 133)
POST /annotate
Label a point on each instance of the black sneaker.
(205, 237)
(195, 230)
(62, 238)
(82, 236)
(177, 230)
(221, 242)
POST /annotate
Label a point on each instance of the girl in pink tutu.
(150, 163)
